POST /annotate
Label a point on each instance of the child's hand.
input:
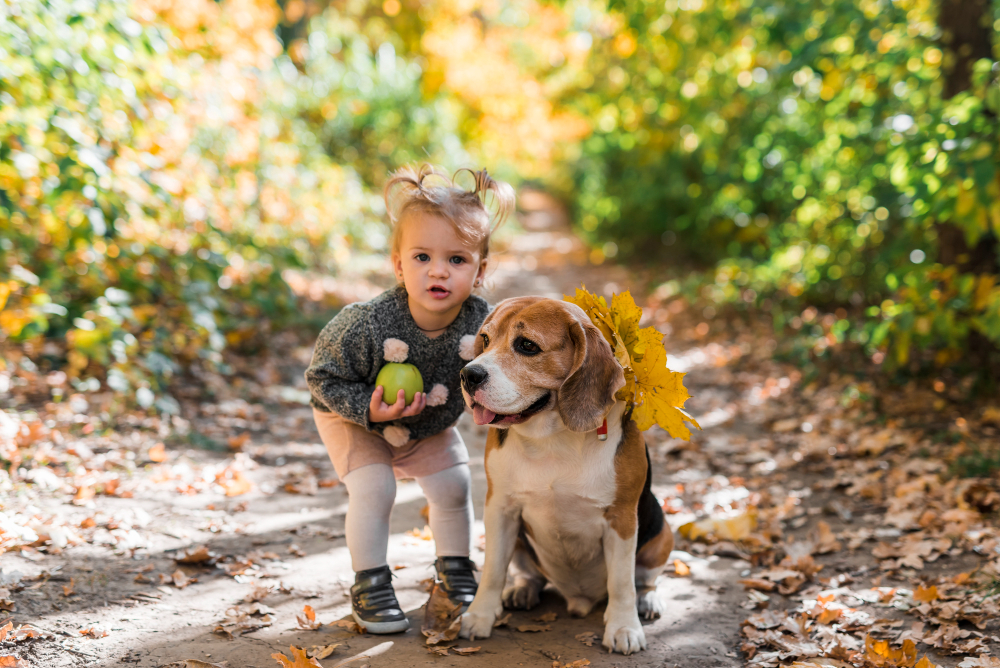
(379, 411)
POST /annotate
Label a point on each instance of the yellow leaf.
(4, 293)
(656, 393)
(660, 394)
(984, 289)
(625, 314)
(681, 569)
(926, 594)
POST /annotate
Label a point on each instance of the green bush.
(810, 152)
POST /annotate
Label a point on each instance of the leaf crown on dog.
(654, 393)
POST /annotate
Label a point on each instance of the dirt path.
(109, 561)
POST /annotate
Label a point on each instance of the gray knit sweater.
(349, 354)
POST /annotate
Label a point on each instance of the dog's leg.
(622, 630)
(502, 523)
(647, 602)
(527, 580)
(649, 563)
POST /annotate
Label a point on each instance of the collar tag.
(602, 431)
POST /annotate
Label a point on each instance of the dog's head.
(535, 354)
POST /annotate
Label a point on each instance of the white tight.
(372, 492)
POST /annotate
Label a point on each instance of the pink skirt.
(351, 446)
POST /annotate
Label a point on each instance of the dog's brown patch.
(494, 439)
(657, 550)
(630, 475)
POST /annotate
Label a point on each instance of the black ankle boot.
(458, 579)
(374, 603)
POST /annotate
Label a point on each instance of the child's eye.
(422, 257)
(457, 259)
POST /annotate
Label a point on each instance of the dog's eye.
(486, 340)
(527, 347)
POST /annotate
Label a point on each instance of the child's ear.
(481, 274)
(397, 266)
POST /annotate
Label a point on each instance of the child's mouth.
(438, 292)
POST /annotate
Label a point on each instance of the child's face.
(437, 267)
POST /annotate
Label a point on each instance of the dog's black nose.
(473, 376)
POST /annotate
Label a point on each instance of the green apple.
(395, 377)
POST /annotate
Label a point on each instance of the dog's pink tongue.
(482, 415)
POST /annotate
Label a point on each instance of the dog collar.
(602, 431)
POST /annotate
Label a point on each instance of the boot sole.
(381, 628)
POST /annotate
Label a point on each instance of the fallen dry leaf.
(259, 593)
(195, 663)
(441, 618)
(84, 493)
(732, 527)
(157, 453)
(533, 628)
(233, 482)
(299, 659)
(307, 620)
(547, 617)
(681, 569)
(181, 580)
(422, 534)
(824, 541)
(221, 630)
(465, 651)
(983, 661)
(13, 662)
(195, 555)
(323, 651)
(502, 621)
(93, 633)
(351, 626)
(588, 638)
(68, 589)
(926, 594)
(5, 629)
(579, 663)
(757, 583)
(237, 442)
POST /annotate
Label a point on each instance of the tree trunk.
(967, 34)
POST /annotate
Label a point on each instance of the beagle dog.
(563, 506)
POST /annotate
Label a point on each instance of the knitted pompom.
(467, 347)
(395, 350)
(438, 395)
(396, 436)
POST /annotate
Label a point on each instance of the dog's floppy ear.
(589, 390)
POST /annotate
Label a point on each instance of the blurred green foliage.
(808, 150)
(164, 164)
(155, 185)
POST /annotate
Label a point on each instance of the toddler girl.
(440, 244)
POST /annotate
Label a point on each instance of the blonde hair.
(406, 192)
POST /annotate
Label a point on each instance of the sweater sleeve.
(342, 363)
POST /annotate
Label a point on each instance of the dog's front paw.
(477, 624)
(625, 636)
(522, 596)
(649, 604)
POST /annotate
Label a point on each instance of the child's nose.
(439, 268)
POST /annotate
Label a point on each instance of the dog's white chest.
(569, 473)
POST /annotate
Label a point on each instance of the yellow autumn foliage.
(655, 394)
